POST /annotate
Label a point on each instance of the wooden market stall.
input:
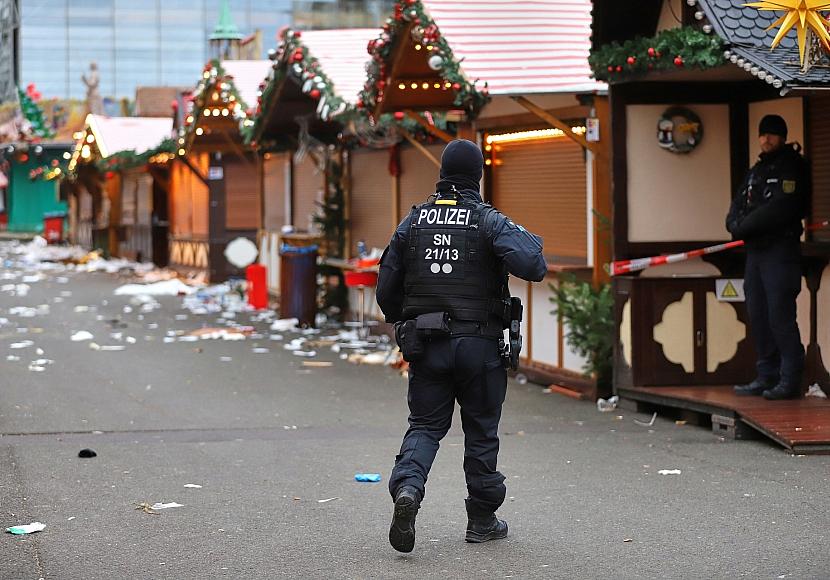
(517, 81)
(113, 202)
(686, 98)
(306, 105)
(216, 178)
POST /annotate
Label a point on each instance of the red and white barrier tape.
(626, 266)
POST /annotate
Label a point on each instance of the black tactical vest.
(450, 267)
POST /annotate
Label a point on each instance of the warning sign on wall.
(730, 290)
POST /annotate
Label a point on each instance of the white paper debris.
(285, 324)
(164, 506)
(164, 288)
(815, 391)
(21, 344)
(605, 406)
(669, 472)
(82, 335)
(193, 486)
(327, 500)
(27, 529)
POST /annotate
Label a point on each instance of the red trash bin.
(257, 287)
(53, 227)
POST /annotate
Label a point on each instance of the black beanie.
(773, 125)
(462, 157)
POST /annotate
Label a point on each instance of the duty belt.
(489, 329)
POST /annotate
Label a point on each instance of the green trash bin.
(298, 283)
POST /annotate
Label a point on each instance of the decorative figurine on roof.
(94, 102)
(811, 27)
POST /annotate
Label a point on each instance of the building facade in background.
(154, 42)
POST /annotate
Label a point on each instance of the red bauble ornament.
(399, 115)
(297, 34)
(360, 104)
(174, 104)
(110, 174)
(456, 86)
(297, 56)
(651, 52)
(314, 93)
(678, 61)
(380, 84)
(619, 68)
(410, 2)
(417, 21)
(610, 69)
(54, 162)
(631, 60)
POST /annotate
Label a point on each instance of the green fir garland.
(123, 160)
(426, 32)
(294, 60)
(683, 47)
(214, 79)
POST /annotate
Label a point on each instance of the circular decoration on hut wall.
(679, 130)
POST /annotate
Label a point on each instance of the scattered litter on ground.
(290, 427)
(146, 508)
(193, 485)
(164, 506)
(647, 423)
(21, 344)
(628, 540)
(225, 359)
(327, 500)
(305, 353)
(260, 350)
(173, 287)
(521, 378)
(212, 333)
(317, 363)
(815, 391)
(680, 422)
(12, 358)
(605, 406)
(285, 324)
(81, 335)
(70, 519)
(669, 472)
(87, 453)
(275, 337)
(26, 529)
(367, 477)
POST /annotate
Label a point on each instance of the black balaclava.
(461, 166)
(773, 125)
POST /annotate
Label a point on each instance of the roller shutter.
(274, 191)
(819, 148)
(308, 189)
(241, 194)
(371, 198)
(542, 186)
(418, 176)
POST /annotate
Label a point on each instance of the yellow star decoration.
(804, 15)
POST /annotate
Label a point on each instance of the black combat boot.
(756, 388)
(782, 391)
(484, 529)
(402, 530)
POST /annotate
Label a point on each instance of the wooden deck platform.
(802, 426)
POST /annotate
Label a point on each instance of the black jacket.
(519, 250)
(772, 200)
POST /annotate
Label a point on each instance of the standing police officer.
(443, 281)
(767, 214)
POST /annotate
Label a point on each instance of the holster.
(411, 335)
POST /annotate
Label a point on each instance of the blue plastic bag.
(367, 477)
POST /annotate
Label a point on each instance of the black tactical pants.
(467, 369)
(772, 282)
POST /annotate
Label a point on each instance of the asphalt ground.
(267, 439)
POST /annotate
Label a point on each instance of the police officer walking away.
(443, 282)
(767, 214)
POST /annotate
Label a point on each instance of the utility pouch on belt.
(412, 334)
(433, 324)
(411, 345)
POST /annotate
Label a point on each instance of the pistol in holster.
(511, 350)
